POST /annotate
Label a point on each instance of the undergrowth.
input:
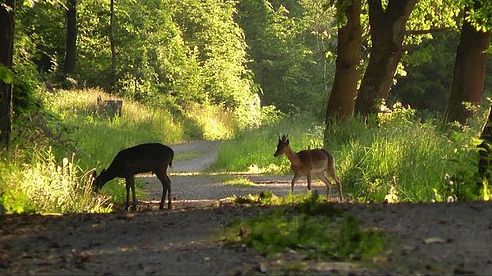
(34, 174)
(395, 157)
(46, 186)
(307, 226)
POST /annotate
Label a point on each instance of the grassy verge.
(33, 176)
(396, 157)
(252, 150)
(309, 227)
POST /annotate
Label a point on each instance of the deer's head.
(283, 144)
(98, 180)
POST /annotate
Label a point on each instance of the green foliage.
(396, 156)
(290, 47)
(252, 150)
(6, 75)
(404, 156)
(316, 230)
(98, 137)
(480, 14)
(45, 186)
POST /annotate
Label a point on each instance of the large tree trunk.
(113, 48)
(6, 59)
(71, 48)
(469, 72)
(387, 33)
(341, 102)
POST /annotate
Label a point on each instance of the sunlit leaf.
(6, 74)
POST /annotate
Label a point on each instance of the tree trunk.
(6, 59)
(113, 48)
(71, 48)
(469, 72)
(341, 102)
(387, 33)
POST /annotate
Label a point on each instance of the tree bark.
(71, 47)
(341, 102)
(387, 33)
(6, 59)
(469, 72)
(113, 47)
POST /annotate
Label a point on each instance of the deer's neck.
(293, 157)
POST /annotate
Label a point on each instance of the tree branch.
(428, 31)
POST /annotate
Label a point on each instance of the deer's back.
(314, 161)
(142, 158)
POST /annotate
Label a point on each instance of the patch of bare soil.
(426, 238)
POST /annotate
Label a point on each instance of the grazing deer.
(310, 162)
(142, 158)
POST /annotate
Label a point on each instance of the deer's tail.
(171, 160)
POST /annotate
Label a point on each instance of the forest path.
(191, 185)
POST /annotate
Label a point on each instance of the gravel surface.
(430, 239)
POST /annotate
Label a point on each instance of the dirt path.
(428, 238)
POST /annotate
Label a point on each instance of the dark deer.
(317, 162)
(142, 158)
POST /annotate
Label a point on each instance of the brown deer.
(111, 107)
(153, 157)
(317, 162)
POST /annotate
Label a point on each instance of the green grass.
(98, 137)
(238, 181)
(46, 186)
(183, 156)
(314, 229)
(252, 150)
(70, 123)
(397, 155)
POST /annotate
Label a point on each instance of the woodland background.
(379, 83)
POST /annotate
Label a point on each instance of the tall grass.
(252, 149)
(99, 137)
(396, 156)
(45, 186)
(71, 123)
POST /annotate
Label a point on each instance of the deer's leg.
(166, 188)
(169, 207)
(331, 173)
(130, 185)
(296, 177)
(309, 182)
(327, 183)
(127, 187)
(339, 186)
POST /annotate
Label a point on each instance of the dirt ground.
(427, 238)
